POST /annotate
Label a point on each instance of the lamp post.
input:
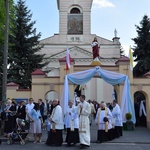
(4, 85)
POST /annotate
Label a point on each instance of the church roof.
(122, 59)
(147, 74)
(38, 72)
(72, 50)
(12, 84)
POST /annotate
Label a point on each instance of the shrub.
(128, 116)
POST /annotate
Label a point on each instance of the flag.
(131, 59)
(67, 60)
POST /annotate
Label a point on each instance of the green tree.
(24, 57)
(142, 48)
(2, 33)
(2, 20)
(121, 51)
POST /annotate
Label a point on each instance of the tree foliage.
(121, 51)
(2, 33)
(142, 48)
(24, 57)
(2, 20)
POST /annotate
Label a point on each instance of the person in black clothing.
(142, 114)
(41, 107)
(10, 118)
(21, 113)
(51, 109)
(109, 105)
(55, 137)
(136, 109)
(47, 106)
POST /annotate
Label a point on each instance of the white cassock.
(71, 118)
(100, 116)
(116, 112)
(57, 117)
(84, 127)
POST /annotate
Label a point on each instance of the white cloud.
(126, 49)
(102, 3)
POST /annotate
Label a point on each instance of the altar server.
(72, 124)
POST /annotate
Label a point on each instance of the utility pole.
(4, 85)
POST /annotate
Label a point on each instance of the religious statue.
(115, 33)
(95, 49)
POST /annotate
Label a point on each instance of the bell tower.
(74, 17)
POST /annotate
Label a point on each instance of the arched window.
(75, 11)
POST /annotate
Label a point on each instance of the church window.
(75, 11)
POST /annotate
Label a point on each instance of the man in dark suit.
(21, 111)
(41, 107)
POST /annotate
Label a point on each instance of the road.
(94, 146)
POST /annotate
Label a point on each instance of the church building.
(75, 34)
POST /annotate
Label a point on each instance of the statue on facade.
(115, 33)
(95, 49)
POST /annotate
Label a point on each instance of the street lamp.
(4, 85)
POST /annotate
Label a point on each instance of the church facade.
(75, 34)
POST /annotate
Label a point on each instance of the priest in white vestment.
(84, 111)
(57, 125)
(103, 120)
(116, 112)
(71, 121)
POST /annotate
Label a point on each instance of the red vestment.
(95, 51)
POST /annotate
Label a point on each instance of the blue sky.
(106, 16)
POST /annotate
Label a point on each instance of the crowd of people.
(108, 119)
(34, 112)
(76, 120)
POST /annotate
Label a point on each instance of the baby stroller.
(19, 134)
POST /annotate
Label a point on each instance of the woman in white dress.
(35, 116)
